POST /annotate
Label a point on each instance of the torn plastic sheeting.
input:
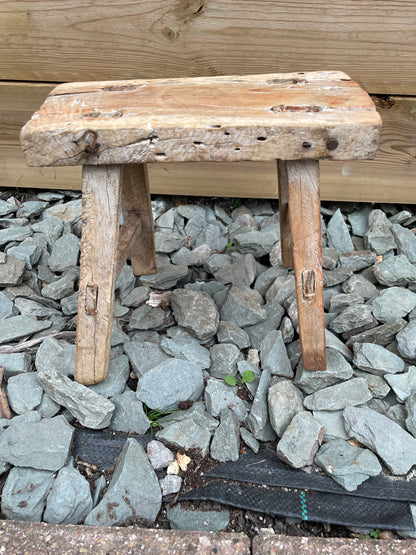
(315, 506)
(265, 468)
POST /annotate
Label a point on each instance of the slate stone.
(381, 335)
(50, 226)
(115, 382)
(168, 276)
(359, 220)
(35, 309)
(393, 303)
(224, 359)
(378, 386)
(89, 408)
(352, 317)
(187, 349)
(194, 257)
(229, 332)
(31, 442)
(204, 521)
(282, 288)
(65, 253)
(403, 384)
(330, 258)
(273, 355)
(118, 336)
(258, 419)
(410, 405)
(24, 494)
(361, 285)
(196, 413)
(378, 235)
(287, 330)
(159, 456)
(29, 253)
(219, 395)
(376, 359)
(335, 277)
(249, 440)
(68, 212)
(16, 327)
(17, 234)
(406, 340)
(242, 305)
(214, 236)
(129, 415)
(340, 301)
(395, 270)
(300, 441)
(31, 208)
(337, 369)
(170, 382)
(332, 342)
(7, 307)
(169, 241)
(405, 241)
(134, 490)
(338, 235)
(257, 332)
(137, 297)
(186, 434)
(333, 423)
(47, 407)
(15, 363)
(217, 261)
(170, 484)
(196, 312)
(11, 270)
(7, 208)
(347, 464)
(266, 278)
(225, 445)
(257, 243)
(357, 260)
(339, 396)
(70, 500)
(55, 355)
(60, 288)
(284, 401)
(146, 317)
(398, 414)
(143, 355)
(24, 392)
(241, 272)
(395, 446)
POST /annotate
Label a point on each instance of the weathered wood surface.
(232, 118)
(305, 224)
(372, 40)
(286, 241)
(101, 202)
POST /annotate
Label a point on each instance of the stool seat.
(261, 117)
(114, 128)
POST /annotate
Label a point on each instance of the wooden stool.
(114, 128)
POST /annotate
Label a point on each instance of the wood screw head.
(332, 144)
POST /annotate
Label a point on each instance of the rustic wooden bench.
(114, 128)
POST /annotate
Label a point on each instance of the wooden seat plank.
(233, 118)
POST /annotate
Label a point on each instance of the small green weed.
(229, 245)
(246, 377)
(237, 203)
(155, 415)
(374, 534)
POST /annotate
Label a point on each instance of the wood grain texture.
(226, 118)
(305, 223)
(101, 200)
(373, 40)
(285, 231)
(136, 202)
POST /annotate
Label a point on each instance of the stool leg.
(135, 199)
(101, 199)
(305, 223)
(285, 232)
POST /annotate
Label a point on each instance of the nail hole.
(215, 126)
(237, 148)
(199, 143)
(226, 132)
(161, 154)
(306, 144)
(262, 138)
(332, 144)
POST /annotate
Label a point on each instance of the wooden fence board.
(374, 41)
(391, 177)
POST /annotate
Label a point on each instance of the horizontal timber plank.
(391, 177)
(82, 40)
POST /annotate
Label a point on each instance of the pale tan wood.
(305, 223)
(285, 231)
(227, 118)
(129, 232)
(136, 201)
(390, 177)
(101, 200)
(373, 40)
